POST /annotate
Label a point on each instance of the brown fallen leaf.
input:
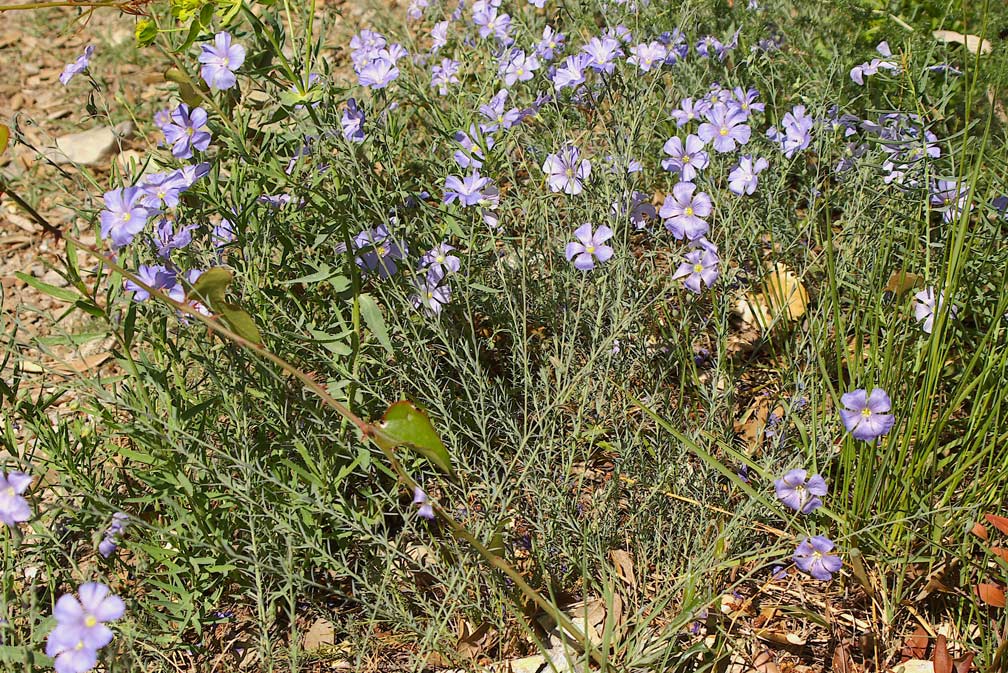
(915, 646)
(999, 522)
(940, 657)
(901, 282)
(991, 594)
(843, 662)
(979, 530)
(914, 666)
(782, 298)
(779, 637)
(1001, 552)
(624, 565)
(973, 43)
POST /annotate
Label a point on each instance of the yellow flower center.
(685, 159)
(90, 621)
(723, 131)
(590, 249)
(79, 646)
(689, 210)
(521, 71)
(380, 251)
(697, 268)
(126, 217)
(569, 172)
(10, 492)
(866, 412)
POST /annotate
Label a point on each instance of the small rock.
(89, 148)
(52, 277)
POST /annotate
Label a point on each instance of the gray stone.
(90, 148)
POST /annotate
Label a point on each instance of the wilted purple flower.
(353, 122)
(725, 126)
(439, 35)
(742, 179)
(684, 211)
(420, 498)
(190, 173)
(813, 557)
(167, 239)
(123, 217)
(416, 9)
(602, 54)
(571, 72)
(81, 629)
(796, 133)
(637, 206)
(799, 492)
(444, 74)
(472, 153)
(222, 234)
(619, 32)
(377, 251)
(365, 46)
(550, 43)
(747, 100)
(686, 159)
(13, 506)
(859, 72)
(700, 265)
(688, 111)
(519, 67)
(865, 415)
(949, 198)
(152, 275)
(496, 115)
(110, 539)
(440, 258)
(467, 191)
(566, 171)
(589, 247)
(709, 46)
(648, 55)
(220, 61)
(187, 131)
(927, 304)
(78, 66)
(433, 293)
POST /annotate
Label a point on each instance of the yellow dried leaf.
(973, 43)
(783, 299)
(902, 282)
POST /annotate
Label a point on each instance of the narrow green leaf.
(63, 294)
(240, 322)
(410, 426)
(372, 315)
(4, 137)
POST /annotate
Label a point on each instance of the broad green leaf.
(60, 293)
(408, 425)
(240, 322)
(210, 287)
(372, 315)
(146, 32)
(4, 137)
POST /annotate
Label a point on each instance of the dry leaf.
(752, 426)
(902, 282)
(624, 565)
(991, 594)
(782, 298)
(973, 43)
(999, 522)
(916, 644)
(779, 637)
(941, 659)
(965, 664)
(320, 634)
(765, 663)
(1000, 551)
(914, 666)
(979, 530)
(843, 662)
